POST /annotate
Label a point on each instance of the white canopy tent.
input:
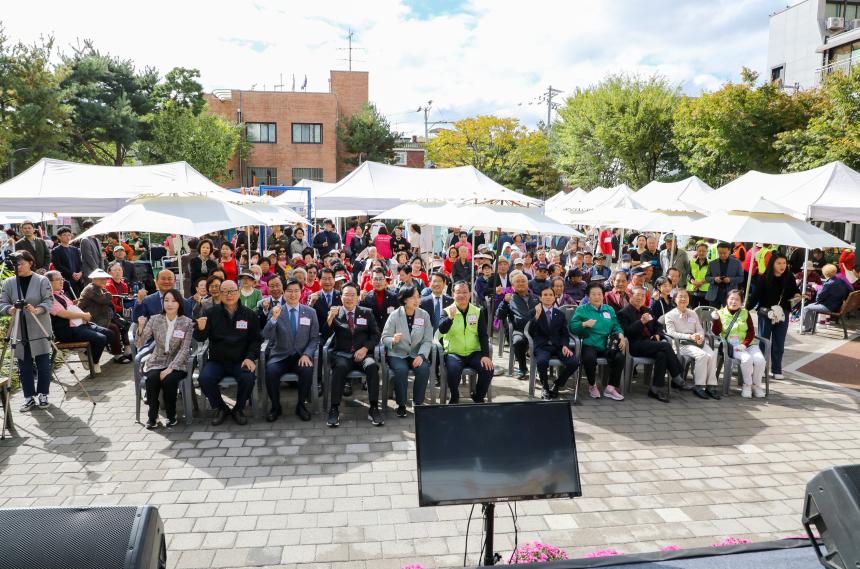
(299, 199)
(683, 195)
(373, 188)
(560, 200)
(827, 193)
(70, 188)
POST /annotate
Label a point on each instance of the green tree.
(724, 134)
(182, 86)
(833, 132)
(367, 135)
(538, 175)
(109, 98)
(32, 115)
(618, 131)
(205, 141)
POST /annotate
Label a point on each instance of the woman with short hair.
(408, 337)
(734, 324)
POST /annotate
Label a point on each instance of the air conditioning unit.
(854, 24)
(835, 24)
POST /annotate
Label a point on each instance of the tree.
(206, 141)
(109, 98)
(538, 175)
(181, 86)
(32, 115)
(833, 132)
(618, 131)
(367, 135)
(724, 134)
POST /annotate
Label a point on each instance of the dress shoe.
(302, 412)
(700, 392)
(476, 399)
(454, 399)
(220, 417)
(712, 393)
(553, 393)
(658, 395)
(681, 385)
(522, 374)
(273, 415)
(239, 417)
(347, 388)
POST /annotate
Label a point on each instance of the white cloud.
(492, 56)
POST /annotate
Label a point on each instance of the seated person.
(293, 333)
(518, 308)
(541, 279)
(561, 298)
(574, 286)
(645, 333)
(405, 278)
(233, 332)
(551, 341)
(71, 324)
(96, 300)
(662, 301)
(167, 365)
(436, 302)
(600, 269)
(408, 337)
(618, 297)
(482, 283)
(830, 297)
(380, 301)
(682, 323)
(355, 337)
(150, 304)
(594, 321)
(734, 324)
(466, 343)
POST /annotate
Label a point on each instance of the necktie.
(549, 315)
(351, 322)
(293, 322)
(328, 300)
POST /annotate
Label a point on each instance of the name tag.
(691, 319)
(418, 322)
(242, 325)
(472, 319)
(361, 321)
(390, 309)
(607, 316)
(305, 321)
(179, 334)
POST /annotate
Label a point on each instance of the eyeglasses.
(229, 292)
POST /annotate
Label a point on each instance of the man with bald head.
(147, 305)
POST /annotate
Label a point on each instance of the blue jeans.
(455, 365)
(97, 336)
(214, 372)
(776, 333)
(401, 367)
(43, 372)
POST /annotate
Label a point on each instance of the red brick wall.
(351, 91)
(414, 158)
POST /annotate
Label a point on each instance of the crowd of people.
(369, 287)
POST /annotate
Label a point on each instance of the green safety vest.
(698, 273)
(712, 252)
(740, 327)
(760, 259)
(462, 337)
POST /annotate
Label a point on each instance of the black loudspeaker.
(108, 537)
(832, 506)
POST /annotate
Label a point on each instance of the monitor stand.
(490, 557)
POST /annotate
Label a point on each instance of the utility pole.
(426, 108)
(550, 93)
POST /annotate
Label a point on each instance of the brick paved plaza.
(298, 494)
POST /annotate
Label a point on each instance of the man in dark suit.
(551, 340)
(436, 303)
(92, 255)
(355, 337)
(67, 260)
(380, 300)
(275, 298)
(147, 305)
(518, 309)
(323, 300)
(724, 274)
(293, 335)
(645, 335)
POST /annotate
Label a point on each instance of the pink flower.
(413, 566)
(536, 552)
(670, 548)
(604, 553)
(731, 541)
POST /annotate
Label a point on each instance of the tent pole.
(620, 246)
(749, 281)
(473, 258)
(802, 288)
(179, 264)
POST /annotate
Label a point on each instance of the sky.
(468, 57)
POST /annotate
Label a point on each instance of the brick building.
(293, 135)
(409, 152)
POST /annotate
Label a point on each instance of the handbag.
(613, 346)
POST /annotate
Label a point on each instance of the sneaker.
(758, 391)
(29, 403)
(594, 391)
(522, 374)
(333, 417)
(375, 416)
(712, 393)
(150, 424)
(171, 422)
(347, 388)
(43, 400)
(401, 410)
(612, 393)
(778, 376)
(746, 391)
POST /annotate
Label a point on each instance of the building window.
(307, 133)
(264, 132)
(315, 174)
(400, 157)
(777, 75)
(257, 176)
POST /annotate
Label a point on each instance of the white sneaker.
(758, 391)
(778, 376)
(612, 393)
(97, 368)
(43, 399)
(746, 391)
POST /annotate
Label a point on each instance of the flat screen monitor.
(472, 454)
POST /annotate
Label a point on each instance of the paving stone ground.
(293, 494)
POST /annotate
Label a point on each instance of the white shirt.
(171, 324)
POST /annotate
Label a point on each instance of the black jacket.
(196, 265)
(771, 291)
(550, 333)
(519, 310)
(381, 311)
(427, 304)
(322, 307)
(495, 281)
(634, 330)
(231, 338)
(365, 332)
(67, 260)
(399, 244)
(331, 240)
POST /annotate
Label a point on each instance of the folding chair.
(328, 367)
(388, 385)
(316, 400)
